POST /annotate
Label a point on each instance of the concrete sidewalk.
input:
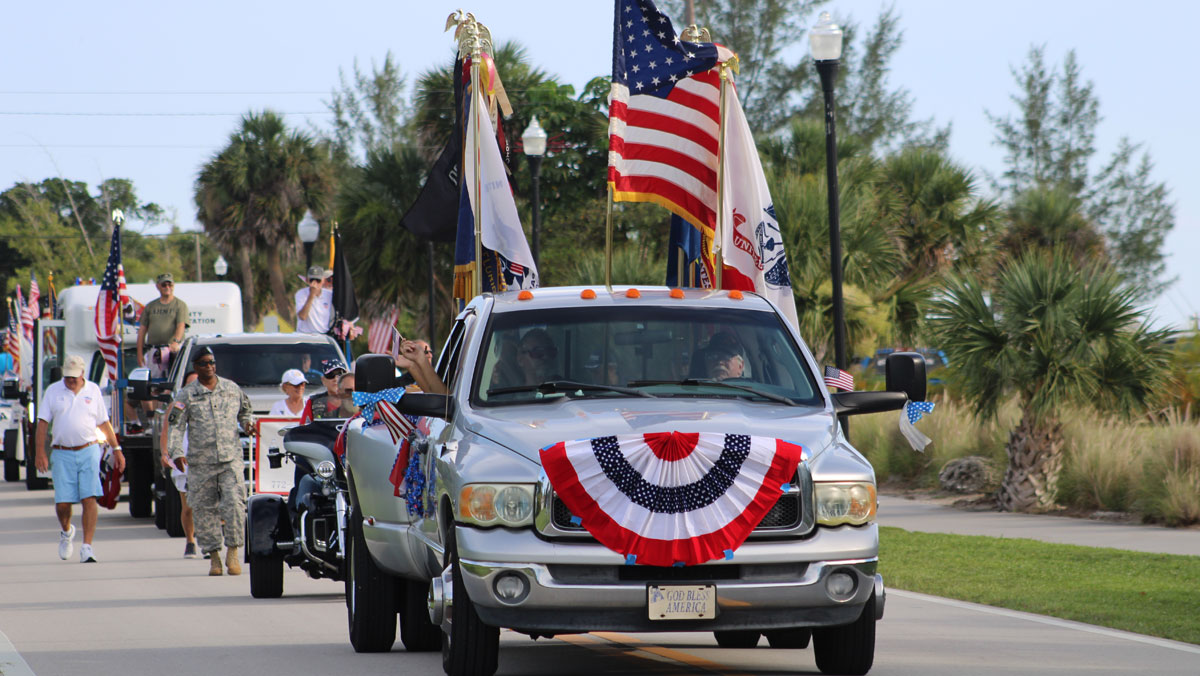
(930, 517)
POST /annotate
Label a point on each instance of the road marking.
(11, 662)
(1052, 621)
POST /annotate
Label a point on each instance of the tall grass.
(1151, 468)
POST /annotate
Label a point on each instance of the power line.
(62, 114)
(104, 146)
(158, 93)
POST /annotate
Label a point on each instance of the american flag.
(397, 423)
(32, 309)
(113, 297)
(664, 115)
(835, 377)
(379, 333)
(12, 335)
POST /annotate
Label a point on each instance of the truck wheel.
(737, 638)
(417, 633)
(370, 596)
(848, 649)
(794, 638)
(32, 481)
(266, 576)
(12, 467)
(172, 508)
(138, 474)
(159, 498)
(472, 648)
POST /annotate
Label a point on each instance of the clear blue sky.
(216, 60)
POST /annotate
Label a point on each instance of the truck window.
(258, 365)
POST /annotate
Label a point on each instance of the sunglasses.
(349, 390)
(547, 352)
(166, 283)
(206, 362)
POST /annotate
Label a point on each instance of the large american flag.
(12, 336)
(32, 309)
(664, 115)
(113, 297)
(379, 333)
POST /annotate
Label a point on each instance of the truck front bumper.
(767, 585)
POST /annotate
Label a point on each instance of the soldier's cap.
(333, 367)
(318, 272)
(204, 351)
(165, 277)
(723, 345)
(74, 367)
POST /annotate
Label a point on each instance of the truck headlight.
(840, 502)
(496, 504)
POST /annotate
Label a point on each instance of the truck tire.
(794, 638)
(172, 508)
(417, 633)
(266, 576)
(370, 596)
(160, 507)
(849, 649)
(472, 648)
(12, 467)
(737, 638)
(32, 481)
(139, 472)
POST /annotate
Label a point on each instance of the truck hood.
(527, 429)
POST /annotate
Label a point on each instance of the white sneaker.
(65, 544)
(85, 554)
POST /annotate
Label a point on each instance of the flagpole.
(718, 241)
(608, 239)
(118, 217)
(476, 57)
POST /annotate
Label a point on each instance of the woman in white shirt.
(291, 406)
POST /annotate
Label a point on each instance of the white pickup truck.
(634, 460)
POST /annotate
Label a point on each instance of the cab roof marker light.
(735, 295)
(633, 293)
(587, 294)
(676, 293)
(525, 295)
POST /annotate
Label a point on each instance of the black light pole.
(308, 229)
(826, 43)
(534, 141)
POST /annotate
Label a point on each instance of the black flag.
(345, 304)
(434, 214)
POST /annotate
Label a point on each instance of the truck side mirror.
(906, 373)
(374, 373)
(139, 384)
(427, 405)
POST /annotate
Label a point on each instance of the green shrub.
(1102, 467)
(1170, 488)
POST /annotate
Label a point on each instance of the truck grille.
(785, 514)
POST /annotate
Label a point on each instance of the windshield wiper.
(717, 383)
(551, 386)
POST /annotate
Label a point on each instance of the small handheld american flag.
(835, 377)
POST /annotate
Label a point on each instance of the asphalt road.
(144, 610)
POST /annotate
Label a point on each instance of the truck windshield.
(263, 364)
(661, 351)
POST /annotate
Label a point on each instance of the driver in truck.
(723, 357)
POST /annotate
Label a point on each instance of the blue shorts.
(76, 474)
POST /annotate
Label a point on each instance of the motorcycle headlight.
(325, 469)
(845, 502)
(496, 504)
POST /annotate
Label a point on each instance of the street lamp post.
(308, 229)
(534, 140)
(826, 41)
(220, 266)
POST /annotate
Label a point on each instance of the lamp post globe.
(534, 142)
(825, 39)
(220, 266)
(308, 230)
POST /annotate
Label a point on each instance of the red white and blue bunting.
(671, 498)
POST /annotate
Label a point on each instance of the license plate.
(682, 602)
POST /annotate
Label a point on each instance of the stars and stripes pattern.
(398, 424)
(367, 400)
(835, 377)
(12, 335)
(671, 498)
(664, 115)
(917, 409)
(379, 333)
(32, 309)
(109, 304)
(911, 413)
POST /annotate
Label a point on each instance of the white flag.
(500, 227)
(751, 242)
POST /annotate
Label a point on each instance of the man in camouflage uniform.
(211, 408)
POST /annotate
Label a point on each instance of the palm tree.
(1054, 335)
(1047, 217)
(254, 192)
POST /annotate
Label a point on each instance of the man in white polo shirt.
(76, 409)
(314, 304)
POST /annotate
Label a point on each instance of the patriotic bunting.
(910, 414)
(671, 498)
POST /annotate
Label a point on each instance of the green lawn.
(1154, 594)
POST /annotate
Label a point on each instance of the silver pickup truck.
(635, 460)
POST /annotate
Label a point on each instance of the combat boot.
(214, 568)
(232, 563)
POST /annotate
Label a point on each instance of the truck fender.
(267, 522)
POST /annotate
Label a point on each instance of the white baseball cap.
(74, 367)
(293, 377)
